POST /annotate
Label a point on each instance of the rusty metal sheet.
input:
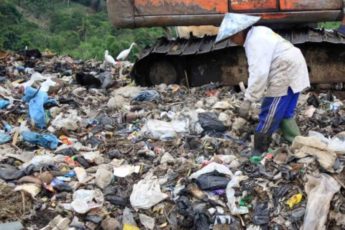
(253, 5)
(311, 4)
(180, 7)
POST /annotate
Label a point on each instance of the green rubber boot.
(290, 129)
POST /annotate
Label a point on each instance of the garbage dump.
(82, 148)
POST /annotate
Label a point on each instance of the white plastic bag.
(68, 121)
(230, 194)
(85, 200)
(147, 193)
(163, 130)
(336, 145)
(222, 169)
(126, 170)
(320, 192)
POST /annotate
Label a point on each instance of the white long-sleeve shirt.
(274, 65)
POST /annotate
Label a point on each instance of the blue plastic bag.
(4, 103)
(147, 95)
(45, 140)
(4, 138)
(37, 99)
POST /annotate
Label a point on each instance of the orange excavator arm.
(149, 13)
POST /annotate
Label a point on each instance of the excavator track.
(198, 61)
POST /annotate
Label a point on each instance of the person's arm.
(259, 52)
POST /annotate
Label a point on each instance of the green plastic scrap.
(245, 201)
(255, 159)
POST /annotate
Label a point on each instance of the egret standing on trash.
(109, 59)
(125, 53)
(277, 73)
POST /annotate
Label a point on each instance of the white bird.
(109, 59)
(124, 54)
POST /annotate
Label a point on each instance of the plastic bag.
(85, 200)
(103, 178)
(163, 130)
(261, 214)
(320, 192)
(147, 222)
(45, 140)
(125, 170)
(68, 121)
(37, 99)
(147, 193)
(335, 144)
(4, 138)
(9, 172)
(210, 122)
(47, 84)
(4, 103)
(212, 167)
(313, 146)
(40, 160)
(212, 181)
(230, 194)
(147, 95)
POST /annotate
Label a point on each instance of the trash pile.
(84, 148)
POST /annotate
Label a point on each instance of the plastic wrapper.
(320, 192)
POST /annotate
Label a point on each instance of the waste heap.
(83, 148)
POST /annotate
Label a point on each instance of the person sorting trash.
(277, 74)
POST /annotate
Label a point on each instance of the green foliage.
(329, 25)
(67, 27)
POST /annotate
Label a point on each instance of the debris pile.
(84, 148)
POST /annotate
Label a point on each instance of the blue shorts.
(274, 110)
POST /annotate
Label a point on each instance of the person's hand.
(244, 109)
